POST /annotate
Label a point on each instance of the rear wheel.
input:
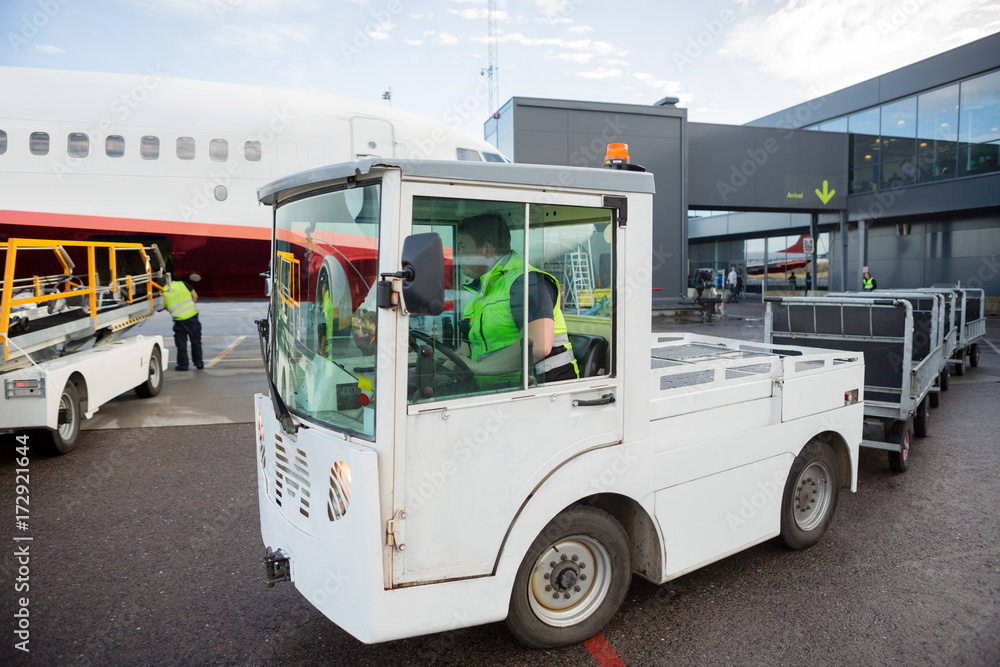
(901, 433)
(572, 580)
(945, 377)
(810, 497)
(960, 368)
(63, 438)
(974, 355)
(154, 380)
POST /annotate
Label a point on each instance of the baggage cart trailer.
(970, 322)
(903, 356)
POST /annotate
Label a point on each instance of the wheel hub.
(563, 576)
(812, 496)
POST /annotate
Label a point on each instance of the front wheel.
(572, 580)
(922, 422)
(974, 355)
(810, 497)
(901, 434)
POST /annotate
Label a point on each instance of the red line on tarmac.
(602, 652)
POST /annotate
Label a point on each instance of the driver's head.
(482, 240)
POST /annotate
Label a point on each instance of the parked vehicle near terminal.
(62, 354)
(404, 494)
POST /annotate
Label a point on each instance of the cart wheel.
(945, 377)
(935, 397)
(901, 434)
(810, 496)
(62, 439)
(922, 421)
(154, 381)
(572, 580)
(960, 368)
(974, 355)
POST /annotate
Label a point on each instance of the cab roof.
(557, 176)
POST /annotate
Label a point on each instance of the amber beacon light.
(617, 158)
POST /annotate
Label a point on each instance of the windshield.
(326, 265)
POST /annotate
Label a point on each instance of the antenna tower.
(492, 72)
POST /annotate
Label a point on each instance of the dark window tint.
(39, 143)
(493, 157)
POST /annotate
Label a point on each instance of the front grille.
(340, 491)
(291, 478)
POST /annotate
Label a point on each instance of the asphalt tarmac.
(146, 549)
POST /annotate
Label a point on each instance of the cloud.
(833, 45)
(661, 86)
(601, 73)
(580, 29)
(442, 38)
(578, 58)
(412, 42)
(272, 39)
(49, 49)
(477, 14)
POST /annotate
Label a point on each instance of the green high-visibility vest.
(492, 326)
(868, 283)
(179, 302)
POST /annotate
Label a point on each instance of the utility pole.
(492, 72)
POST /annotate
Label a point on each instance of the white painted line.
(226, 351)
(990, 343)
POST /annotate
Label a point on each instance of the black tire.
(154, 380)
(63, 438)
(579, 544)
(901, 433)
(960, 368)
(934, 397)
(974, 355)
(922, 420)
(810, 496)
(945, 377)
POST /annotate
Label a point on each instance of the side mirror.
(423, 274)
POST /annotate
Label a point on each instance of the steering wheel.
(451, 354)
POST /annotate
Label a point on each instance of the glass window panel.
(898, 146)
(864, 150)
(78, 145)
(39, 143)
(937, 123)
(3, 142)
(149, 147)
(468, 155)
(252, 151)
(114, 146)
(835, 125)
(324, 303)
(218, 150)
(185, 148)
(492, 157)
(980, 125)
(937, 166)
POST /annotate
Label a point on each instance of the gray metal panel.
(742, 167)
(610, 180)
(921, 200)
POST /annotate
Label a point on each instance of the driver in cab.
(494, 315)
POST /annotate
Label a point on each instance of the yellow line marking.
(226, 351)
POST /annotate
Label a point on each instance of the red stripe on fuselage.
(133, 225)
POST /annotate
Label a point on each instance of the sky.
(728, 61)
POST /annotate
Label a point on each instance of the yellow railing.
(288, 285)
(45, 288)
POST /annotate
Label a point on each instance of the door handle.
(603, 400)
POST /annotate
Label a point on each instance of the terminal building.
(899, 173)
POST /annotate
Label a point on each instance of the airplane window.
(218, 150)
(251, 151)
(468, 155)
(149, 147)
(39, 144)
(3, 142)
(493, 157)
(78, 145)
(185, 148)
(114, 145)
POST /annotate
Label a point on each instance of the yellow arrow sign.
(827, 193)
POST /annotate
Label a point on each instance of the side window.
(3, 142)
(185, 148)
(114, 145)
(149, 147)
(509, 294)
(468, 155)
(251, 151)
(39, 143)
(78, 145)
(218, 150)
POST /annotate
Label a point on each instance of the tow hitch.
(276, 567)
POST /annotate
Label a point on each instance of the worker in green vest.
(494, 316)
(179, 300)
(868, 283)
